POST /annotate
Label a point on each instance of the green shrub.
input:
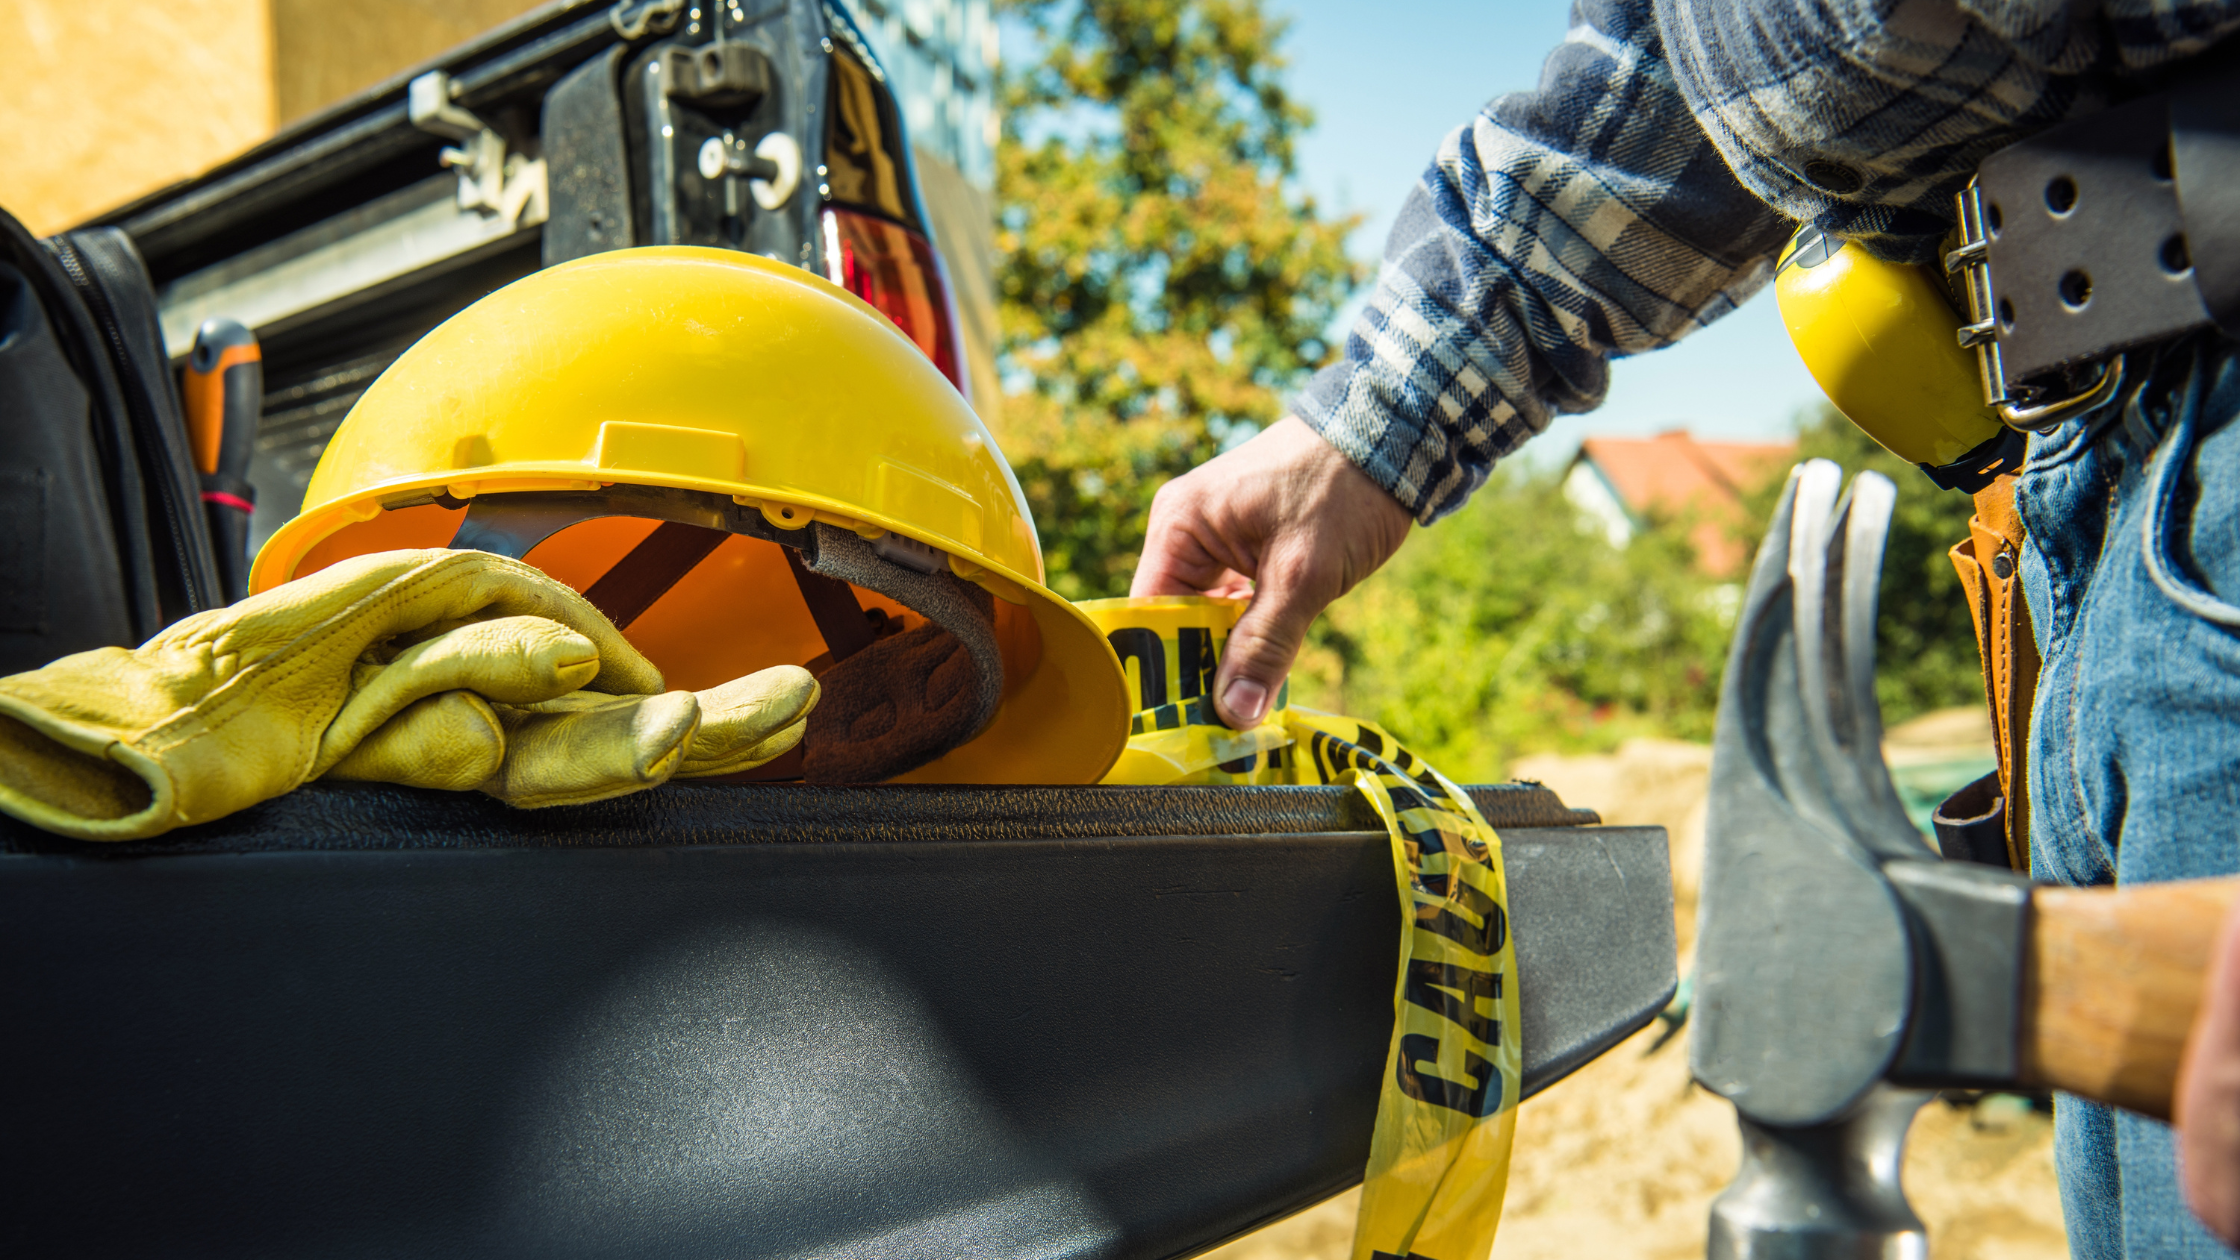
(1514, 626)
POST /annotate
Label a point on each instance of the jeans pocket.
(2174, 502)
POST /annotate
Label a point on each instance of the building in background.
(940, 57)
(1624, 483)
(106, 102)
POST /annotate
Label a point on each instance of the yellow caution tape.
(1439, 1162)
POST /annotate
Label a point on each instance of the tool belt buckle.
(2112, 232)
(2026, 409)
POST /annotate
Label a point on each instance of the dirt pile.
(1623, 1159)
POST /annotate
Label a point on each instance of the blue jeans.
(2132, 572)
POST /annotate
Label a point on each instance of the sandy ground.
(1623, 1159)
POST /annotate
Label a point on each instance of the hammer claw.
(1836, 563)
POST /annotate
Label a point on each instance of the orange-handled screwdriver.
(224, 390)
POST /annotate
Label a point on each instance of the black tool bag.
(102, 538)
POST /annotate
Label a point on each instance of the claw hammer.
(1844, 968)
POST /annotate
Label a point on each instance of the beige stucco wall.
(327, 49)
(102, 100)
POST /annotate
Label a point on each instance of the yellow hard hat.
(1881, 338)
(689, 436)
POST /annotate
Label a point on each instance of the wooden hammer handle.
(2112, 985)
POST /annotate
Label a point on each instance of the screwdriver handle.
(224, 393)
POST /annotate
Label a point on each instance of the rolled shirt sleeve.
(1643, 190)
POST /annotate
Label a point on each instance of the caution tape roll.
(1446, 1115)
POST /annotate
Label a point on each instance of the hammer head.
(1824, 1192)
(1804, 975)
(1837, 955)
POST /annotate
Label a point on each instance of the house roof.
(1675, 474)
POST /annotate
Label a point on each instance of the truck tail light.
(897, 271)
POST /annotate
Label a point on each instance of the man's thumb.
(1259, 653)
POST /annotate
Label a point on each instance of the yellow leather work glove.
(585, 747)
(750, 720)
(237, 705)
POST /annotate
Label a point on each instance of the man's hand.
(2207, 1106)
(1284, 518)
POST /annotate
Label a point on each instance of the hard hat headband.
(512, 524)
(891, 702)
(904, 700)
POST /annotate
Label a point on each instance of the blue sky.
(1388, 79)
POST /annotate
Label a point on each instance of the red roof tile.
(1676, 475)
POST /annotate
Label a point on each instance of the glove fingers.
(364, 600)
(452, 742)
(742, 720)
(734, 760)
(513, 660)
(236, 705)
(576, 753)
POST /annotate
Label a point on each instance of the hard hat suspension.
(893, 700)
(672, 550)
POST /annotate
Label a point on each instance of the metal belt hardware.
(2107, 233)
(2030, 409)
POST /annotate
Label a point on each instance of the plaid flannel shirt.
(1644, 189)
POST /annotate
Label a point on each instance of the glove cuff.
(49, 780)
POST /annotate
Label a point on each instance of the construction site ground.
(1623, 1159)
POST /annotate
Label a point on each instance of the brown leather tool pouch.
(1989, 563)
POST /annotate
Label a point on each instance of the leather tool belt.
(2116, 230)
(1989, 820)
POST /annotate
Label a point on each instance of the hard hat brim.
(1064, 721)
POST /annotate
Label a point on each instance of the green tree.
(1514, 626)
(1163, 280)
